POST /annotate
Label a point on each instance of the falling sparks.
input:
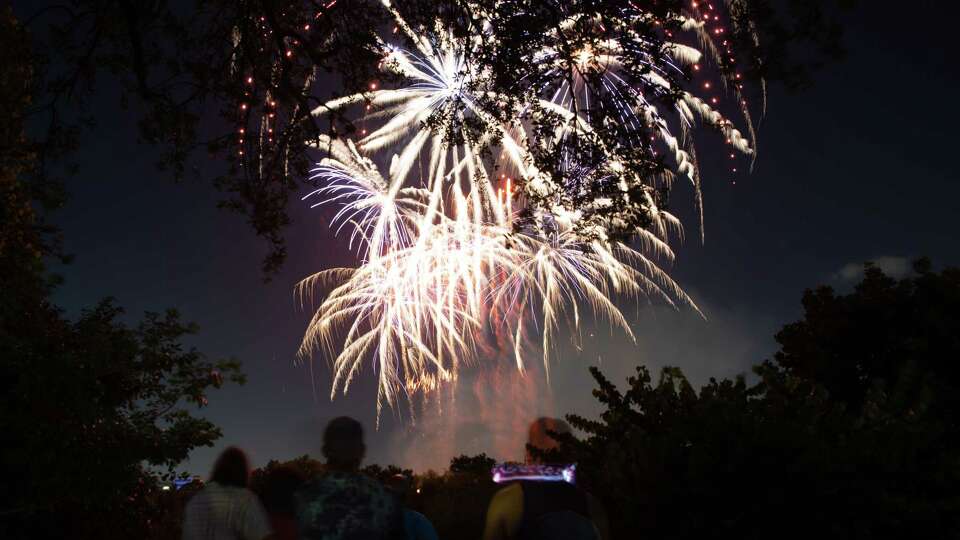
(449, 247)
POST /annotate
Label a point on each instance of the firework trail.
(447, 253)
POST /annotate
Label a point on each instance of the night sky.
(861, 167)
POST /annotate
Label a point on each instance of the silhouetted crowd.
(342, 503)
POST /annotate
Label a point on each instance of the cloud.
(895, 267)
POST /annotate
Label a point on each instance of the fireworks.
(448, 247)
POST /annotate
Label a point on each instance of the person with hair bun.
(225, 509)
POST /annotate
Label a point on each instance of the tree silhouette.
(895, 337)
(95, 413)
(478, 465)
(237, 79)
(814, 448)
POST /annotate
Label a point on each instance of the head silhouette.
(231, 468)
(279, 487)
(343, 444)
(399, 484)
(539, 437)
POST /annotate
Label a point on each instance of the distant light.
(165, 488)
(180, 482)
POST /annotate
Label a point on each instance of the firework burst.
(449, 247)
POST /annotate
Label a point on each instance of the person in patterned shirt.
(343, 503)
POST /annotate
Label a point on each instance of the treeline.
(850, 431)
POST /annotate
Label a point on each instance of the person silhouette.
(279, 487)
(534, 510)
(416, 526)
(225, 509)
(343, 503)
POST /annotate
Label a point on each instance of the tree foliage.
(237, 81)
(199, 75)
(478, 465)
(792, 456)
(95, 412)
(912, 360)
(808, 449)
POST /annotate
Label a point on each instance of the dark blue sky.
(859, 167)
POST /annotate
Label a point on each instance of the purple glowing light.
(534, 473)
